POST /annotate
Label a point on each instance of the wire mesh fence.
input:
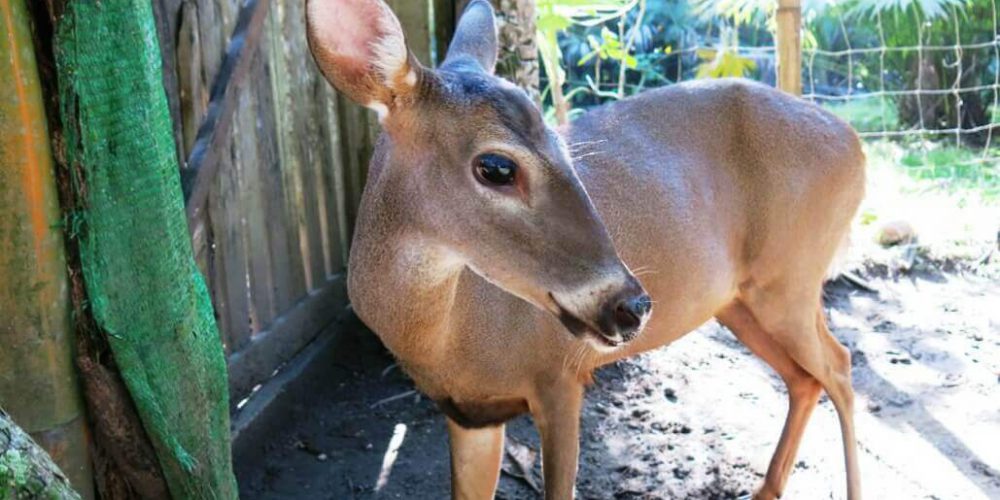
(931, 85)
(920, 81)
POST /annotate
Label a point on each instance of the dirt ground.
(696, 419)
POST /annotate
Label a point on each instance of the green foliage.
(736, 11)
(957, 164)
(867, 115)
(608, 47)
(929, 8)
(724, 63)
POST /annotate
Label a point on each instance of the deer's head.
(471, 166)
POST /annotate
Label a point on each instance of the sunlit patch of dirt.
(697, 419)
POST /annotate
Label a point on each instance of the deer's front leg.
(476, 455)
(558, 420)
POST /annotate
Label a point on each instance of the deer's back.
(708, 184)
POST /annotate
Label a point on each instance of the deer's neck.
(402, 285)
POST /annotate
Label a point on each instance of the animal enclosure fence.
(948, 98)
(274, 165)
(924, 77)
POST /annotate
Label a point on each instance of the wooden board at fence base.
(288, 335)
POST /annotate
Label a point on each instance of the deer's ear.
(360, 48)
(475, 41)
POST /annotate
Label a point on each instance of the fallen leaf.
(520, 463)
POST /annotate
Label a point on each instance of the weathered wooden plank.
(215, 274)
(229, 13)
(203, 163)
(289, 144)
(249, 418)
(444, 27)
(193, 92)
(415, 17)
(307, 130)
(333, 178)
(201, 245)
(305, 144)
(352, 136)
(321, 188)
(250, 131)
(286, 337)
(212, 39)
(166, 13)
(230, 283)
(286, 254)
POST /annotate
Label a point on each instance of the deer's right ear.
(360, 48)
(475, 41)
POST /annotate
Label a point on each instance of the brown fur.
(728, 199)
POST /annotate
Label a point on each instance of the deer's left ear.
(475, 42)
(360, 48)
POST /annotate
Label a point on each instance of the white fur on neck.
(429, 262)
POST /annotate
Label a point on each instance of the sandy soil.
(697, 419)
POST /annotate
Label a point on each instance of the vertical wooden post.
(789, 21)
(38, 382)
(414, 15)
(444, 27)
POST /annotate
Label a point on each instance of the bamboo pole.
(38, 382)
(789, 21)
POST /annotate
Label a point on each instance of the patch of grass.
(873, 114)
(950, 196)
(960, 168)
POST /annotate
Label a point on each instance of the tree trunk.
(26, 471)
(518, 50)
(518, 58)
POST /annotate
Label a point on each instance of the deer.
(502, 261)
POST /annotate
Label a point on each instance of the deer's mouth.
(580, 328)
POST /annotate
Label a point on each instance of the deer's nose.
(624, 315)
(629, 314)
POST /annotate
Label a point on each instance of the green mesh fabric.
(145, 290)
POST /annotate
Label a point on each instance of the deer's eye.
(495, 170)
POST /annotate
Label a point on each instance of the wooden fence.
(275, 163)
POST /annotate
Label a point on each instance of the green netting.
(146, 292)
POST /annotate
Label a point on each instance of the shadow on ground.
(698, 419)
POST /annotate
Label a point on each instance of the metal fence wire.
(949, 103)
(923, 77)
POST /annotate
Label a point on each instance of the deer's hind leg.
(803, 393)
(792, 317)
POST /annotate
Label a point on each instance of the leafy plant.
(608, 47)
(929, 8)
(555, 16)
